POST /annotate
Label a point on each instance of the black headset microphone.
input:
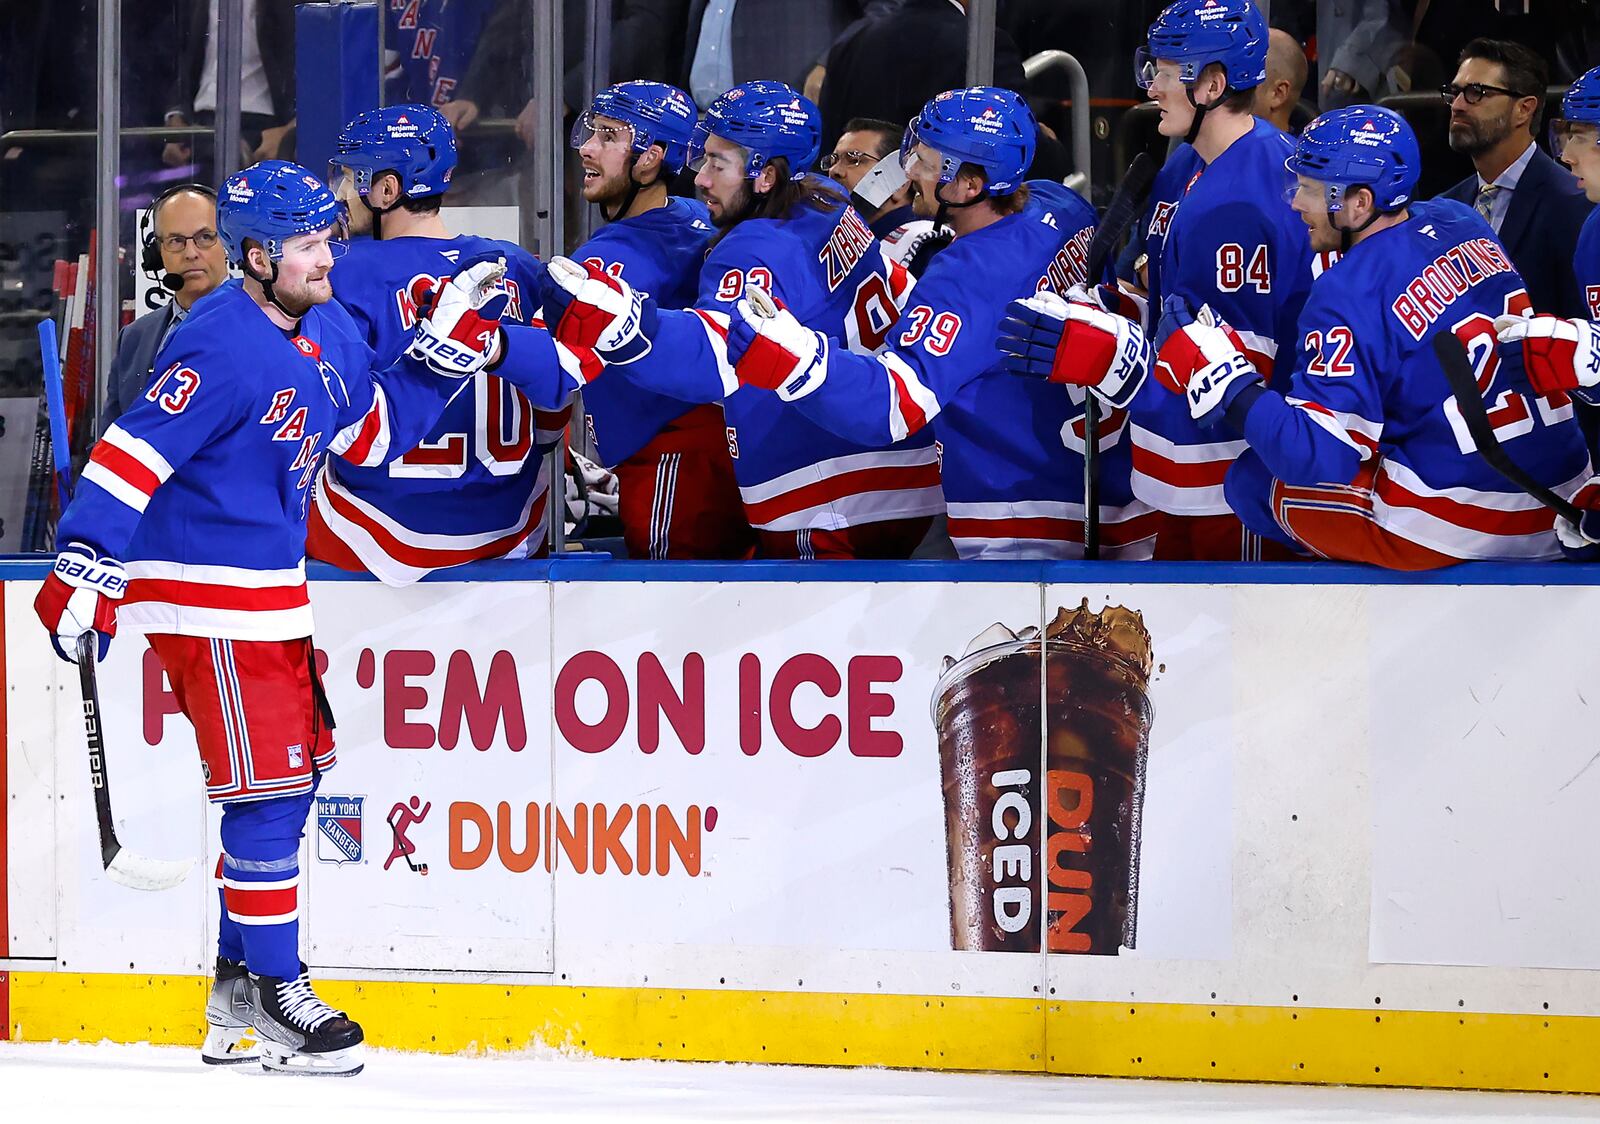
(150, 252)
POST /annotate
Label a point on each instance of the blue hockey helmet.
(1196, 33)
(415, 142)
(767, 120)
(656, 112)
(1360, 146)
(1579, 107)
(982, 125)
(270, 203)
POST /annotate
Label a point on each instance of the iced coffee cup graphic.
(1046, 820)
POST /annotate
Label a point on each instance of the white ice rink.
(119, 1084)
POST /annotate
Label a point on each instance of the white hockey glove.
(769, 348)
(80, 595)
(588, 309)
(1561, 356)
(459, 333)
(1203, 359)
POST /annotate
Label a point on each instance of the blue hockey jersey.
(793, 474)
(1586, 264)
(1231, 242)
(1167, 190)
(1012, 448)
(202, 487)
(1368, 392)
(477, 485)
(659, 252)
(431, 44)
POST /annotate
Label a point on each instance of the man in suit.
(1533, 203)
(734, 41)
(184, 226)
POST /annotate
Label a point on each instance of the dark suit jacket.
(274, 35)
(891, 65)
(130, 367)
(780, 39)
(1540, 232)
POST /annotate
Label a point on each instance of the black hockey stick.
(1120, 215)
(1458, 372)
(122, 866)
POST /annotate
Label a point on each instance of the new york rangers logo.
(339, 828)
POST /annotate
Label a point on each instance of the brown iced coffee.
(986, 710)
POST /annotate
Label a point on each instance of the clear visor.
(1327, 196)
(302, 246)
(920, 160)
(1564, 131)
(719, 163)
(359, 180)
(610, 132)
(1148, 70)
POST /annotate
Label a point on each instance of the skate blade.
(230, 1046)
(335, 1063)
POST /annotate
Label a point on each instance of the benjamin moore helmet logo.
(339, 828)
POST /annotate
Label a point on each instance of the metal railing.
(1046, 62)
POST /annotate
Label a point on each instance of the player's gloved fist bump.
(769, 348)
(81, 594)
(459, 333)
(1075, 342)
(1115, 299)
(1204, 360)
(1560, 355)
(589, 308)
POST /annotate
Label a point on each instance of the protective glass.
(360, 179)
(1147, 71)
(610, 132)
(1329, 195)
(850, 157)
(918, 158)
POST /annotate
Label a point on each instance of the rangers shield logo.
(339, 828)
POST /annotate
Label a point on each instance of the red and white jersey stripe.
(1464, 522)
(233, 602)
(262, 903)
(1182, 479)
(847, 491)
(1049, 530)
(129, 468)
(367, 441)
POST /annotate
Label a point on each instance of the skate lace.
(302, 1006)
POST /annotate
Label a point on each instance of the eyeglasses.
(202, 239)
(849, 156)
(1475, 92)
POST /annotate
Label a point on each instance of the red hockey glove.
(1075, 342)
(769, 348)
(79, 596)
(588, 309)
(1560, 355)
(1203, 359)
(459, 333)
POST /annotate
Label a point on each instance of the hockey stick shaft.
(1120, 216)
(93, 730)
(1458, 372)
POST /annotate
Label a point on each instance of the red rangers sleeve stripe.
(914, 405)
(716, 325)
(366, 442)
(127, 467)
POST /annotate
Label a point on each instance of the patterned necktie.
(1485, 201)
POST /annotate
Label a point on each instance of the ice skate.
(299, 1033)
(230, 1039)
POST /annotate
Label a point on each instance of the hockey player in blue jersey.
(678, 497)
(1012, 448)
(808, 492)
(478, 485)
(189, 525)
(1368, 459)
(1228, 240)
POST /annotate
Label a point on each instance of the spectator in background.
(864, 142)
(1277, 97)
(1533, 203)
(646, 42)
(891, 65)
(735, 41)
(187, 251)
(1358, 42)
(266, 83)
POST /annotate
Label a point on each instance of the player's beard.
(1470, 137)
(608, 191)
(735, 209)
(297, 299)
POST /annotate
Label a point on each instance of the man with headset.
(180, 244)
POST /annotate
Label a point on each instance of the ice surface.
(112, 1084)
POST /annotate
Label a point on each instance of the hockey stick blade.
(122, 866)
(1458, 372)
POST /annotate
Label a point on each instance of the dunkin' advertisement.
(535, 776)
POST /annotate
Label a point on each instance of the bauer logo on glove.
(459, 333)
